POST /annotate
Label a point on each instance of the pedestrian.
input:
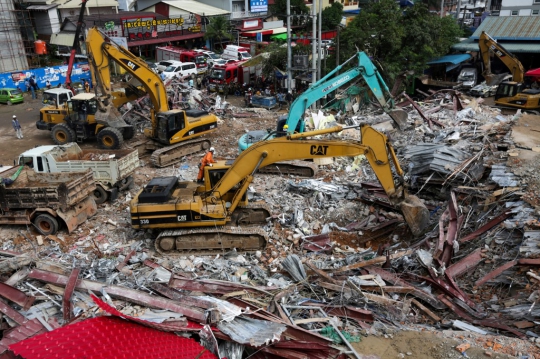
(17, 127)
(281, 99)
(289, 98)
(207, 160)
(48, 84)
(199, 82)
(86, 86)
(225, 91)
(27, 84)
(190, 82)
(33, 86)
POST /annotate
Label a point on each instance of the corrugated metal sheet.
(251, 331)
(510, 28)
(64, 39)
(513, 47)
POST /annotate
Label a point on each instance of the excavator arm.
(374, 146)
(487, 45)
(330, 83)
(100, 52)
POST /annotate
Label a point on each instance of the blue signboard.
(258, 5)
(56, 75)
(259, 37)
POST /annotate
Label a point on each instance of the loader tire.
(128, 132)
(110, 139)
(46, 224)
(62, 134)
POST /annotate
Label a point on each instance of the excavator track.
(166, 156)
(244, 235)
(296, 168)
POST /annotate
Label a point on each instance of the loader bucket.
(415, 213)
(400, 118)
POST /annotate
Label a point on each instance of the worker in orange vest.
(207, 160)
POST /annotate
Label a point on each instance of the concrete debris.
(340, 263)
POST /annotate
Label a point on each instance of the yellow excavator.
(173, 132)
(216, 216)
(513, 93)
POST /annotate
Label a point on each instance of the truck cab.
(196, 57)
(223, 74)
(56, 97)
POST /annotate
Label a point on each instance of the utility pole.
(289, 55)
(313, 43)
(442, 8)
(320, 41)
(458, 10)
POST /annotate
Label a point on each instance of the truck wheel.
(100, 195)
(62, 134)
(128, 132)
(46, 224)
(110, 139)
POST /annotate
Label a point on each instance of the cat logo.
(130, 64)
(318, 150)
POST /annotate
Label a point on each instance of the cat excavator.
(173, 133)
(216, 216)
(515, 93)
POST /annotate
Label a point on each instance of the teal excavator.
(329, 83)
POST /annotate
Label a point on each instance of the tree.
(278, 57)
(398, 42)
(279, 9)
(218, 29)
(331, 16)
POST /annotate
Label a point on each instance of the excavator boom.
(489, 45)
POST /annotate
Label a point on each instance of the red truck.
(182, 55)
(228, 73)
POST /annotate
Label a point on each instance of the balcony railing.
(246, 14)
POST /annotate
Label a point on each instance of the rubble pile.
(340, 265)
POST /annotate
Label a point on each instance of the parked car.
(153, 66)
(10, 96)
(180, 69)
(327, 43)
(162, 65)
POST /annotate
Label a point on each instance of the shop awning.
(164, 39)
(196, 7)
(63, 39)
(41, 7)
(533, 73)
(451, 61)
(279, 37)
(253, 33)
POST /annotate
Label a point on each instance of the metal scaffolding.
(16, 37)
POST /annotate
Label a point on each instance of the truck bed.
(52, 190)
(108, 166)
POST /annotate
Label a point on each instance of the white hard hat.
(14, 116)
(212, 149)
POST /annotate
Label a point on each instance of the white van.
(180, 69)
(234, 52)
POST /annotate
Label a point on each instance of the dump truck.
(49, 201)
(112, 169)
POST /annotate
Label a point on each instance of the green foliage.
(279, 9)
(398, 42)
(278, 57)
(331, 16)
(218, 30)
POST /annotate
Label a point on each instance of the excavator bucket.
(400, 118)
(415, 213)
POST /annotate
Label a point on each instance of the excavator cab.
(169, 124)
(508, 89)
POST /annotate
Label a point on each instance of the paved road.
(27, 114)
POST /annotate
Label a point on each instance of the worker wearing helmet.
(207, 160)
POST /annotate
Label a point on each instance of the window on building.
(515, 12)
(537, 1)
(535, 12)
